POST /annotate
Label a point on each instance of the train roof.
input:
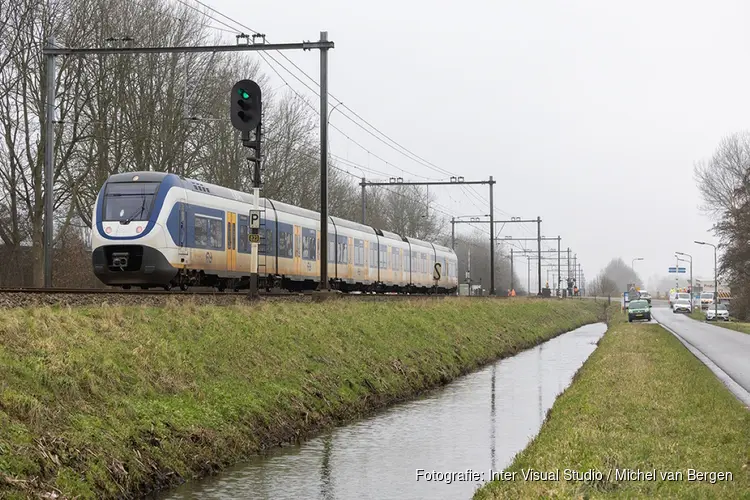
(234, 195)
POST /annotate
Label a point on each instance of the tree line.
(613, 279)
(724, 183)
(155, 112)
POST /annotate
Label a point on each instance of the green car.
(639, 309)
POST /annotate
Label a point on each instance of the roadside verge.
(642, 418)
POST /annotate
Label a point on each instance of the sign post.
(254, 238)
(677, 271)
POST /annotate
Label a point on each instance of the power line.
(419, 159)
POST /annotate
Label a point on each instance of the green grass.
(641, 401)
(115, 401)
(738, 326)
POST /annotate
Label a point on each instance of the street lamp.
(716, 280)
(632, 263)
(692, 290)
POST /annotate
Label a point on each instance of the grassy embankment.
(114, 401)
(641, 401)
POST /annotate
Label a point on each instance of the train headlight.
(135, 178)
(138, 229)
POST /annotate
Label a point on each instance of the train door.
(350, 257)
(231, 241)
(297, 250)
(182, 247)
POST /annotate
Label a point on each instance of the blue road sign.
(672, 269)
(682, 270)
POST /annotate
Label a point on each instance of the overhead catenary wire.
(395, 145)
(422, 161)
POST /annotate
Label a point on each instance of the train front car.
(129, 240)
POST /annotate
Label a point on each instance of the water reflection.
(492, 417)
(326, 491)
(445, 431)
(540, 364)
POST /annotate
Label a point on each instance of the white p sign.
(254, 219)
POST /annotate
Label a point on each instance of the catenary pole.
(539, 250)
(49, 198)
(492, 239)
(324, 285)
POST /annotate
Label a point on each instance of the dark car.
(639, 309)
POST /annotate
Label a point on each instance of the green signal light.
(244, 94)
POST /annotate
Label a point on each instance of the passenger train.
(155, 229)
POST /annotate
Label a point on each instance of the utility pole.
(692, 289)
(50, 51)
(575, 274)
(324, 285)
(559, 292)
(49, 198)
(453, 224)
(539, 250)
(528, 276)
(364, 201)
(568, 281)
(492, 238)
(511, 269)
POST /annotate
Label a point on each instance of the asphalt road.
(727, 350)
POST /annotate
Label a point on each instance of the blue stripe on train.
(173, 224)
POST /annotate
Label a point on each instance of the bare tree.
(602, 286)
(724, 183)
(120, 113)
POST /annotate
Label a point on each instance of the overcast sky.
(579, 109)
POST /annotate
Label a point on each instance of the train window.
(343, 250)
(217, 239)
(407, 262)
(244, 244)
(331, 250)
(201, 232)
(128, 200)
(268, 244)
(359, 253)
(208, 232)
(396, 256)
(286, 244)
(308, 244)
(383, 260)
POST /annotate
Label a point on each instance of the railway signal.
(245, 105)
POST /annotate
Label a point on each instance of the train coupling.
(120, 259)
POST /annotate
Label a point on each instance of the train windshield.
(129, 201)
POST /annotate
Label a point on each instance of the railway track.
(30, 297)
(35, 297)
(119, 291)
(131, 291)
